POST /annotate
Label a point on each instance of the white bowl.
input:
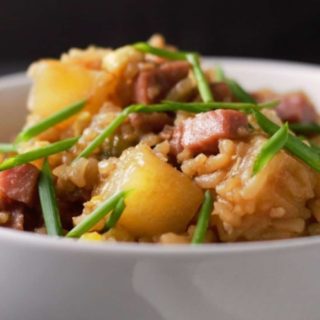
(44, 278)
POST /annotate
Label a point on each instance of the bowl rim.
(28, 239)
(39, 241)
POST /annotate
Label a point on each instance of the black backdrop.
(30, 29)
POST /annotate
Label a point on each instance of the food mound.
(140, 144)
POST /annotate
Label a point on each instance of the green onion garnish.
(203, 86)
(93, 218)
(38, 153)
(239, 92)
(167, 106)
(234, 86)
(305, 128)
(198, 107)
(108, 131)
(270, 148)
(315, 148)
(293, 144)
(48, 202)
(52, 120)
(171, 55)
(115, 214)
(191, 57)
(219, 75)
(203, 219)
(7, 147)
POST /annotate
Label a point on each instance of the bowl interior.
(253, 74)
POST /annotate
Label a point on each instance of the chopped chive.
(115, 214)
(268, 105)
(7, 147)
(203, 219)
(191, 57)
(305, 128)
(293, 144)
(203, 107)
(108, 131)
(52, 120)
(171, 55)
(167, 106)
(203, 86)
(239, 92)
(315, 148)
(48, 202)
(93, 218)
(270, 148)
(219, 74)
(38, 153)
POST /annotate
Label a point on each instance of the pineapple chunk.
(58, 84)
(258, 207)
(162, 198)
(92, 236)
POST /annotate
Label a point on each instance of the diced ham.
(296, 107)
(19, 183)
(152, 85)
(202, 133)
(153, 122)
(221, 92)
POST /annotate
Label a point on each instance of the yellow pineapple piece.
(57, 84)
(161, 200)
(255, 207)
(91, 236)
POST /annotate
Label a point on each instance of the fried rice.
(167, 160)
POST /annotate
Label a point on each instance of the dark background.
(31, 29)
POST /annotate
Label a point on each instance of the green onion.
(197, 107)
(191, 57)
(315, 148)
(270, 148)
(234, 86)
(167, 106)
(268, 105)
(52, 120)
(7, 147)
(219, 75)
(239, 92)
(108, 131)
(38, 153)
(293, 144)
(115, 214)
(171, 55)
(203, 86)
(203, 219)
(48, 202)
(305, 128)
(93, 218)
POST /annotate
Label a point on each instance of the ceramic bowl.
(44, 278)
